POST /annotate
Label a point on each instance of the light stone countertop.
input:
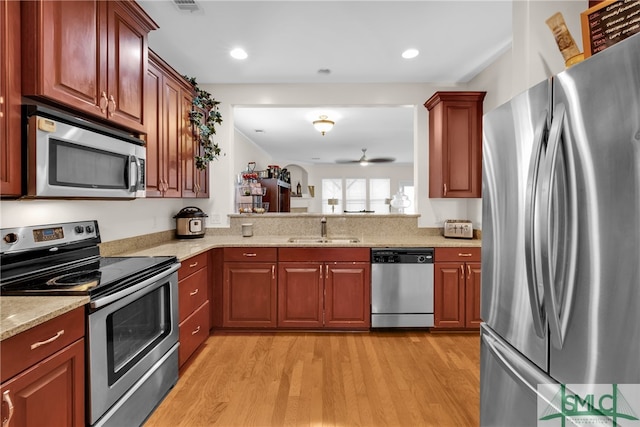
(17, 314)
(186, 248)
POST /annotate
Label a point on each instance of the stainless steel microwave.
(69, 157)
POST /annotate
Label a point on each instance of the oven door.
(128, 337)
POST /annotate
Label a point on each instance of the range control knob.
(10, 238)
(89, 228)
(79, 229)
(422, 258)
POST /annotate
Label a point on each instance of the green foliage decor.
(204, 116)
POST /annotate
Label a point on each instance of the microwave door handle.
(139, 178)
(133, 172)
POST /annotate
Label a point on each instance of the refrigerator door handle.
(531, 247)
(551, 280)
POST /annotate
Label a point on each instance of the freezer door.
(594, 313)
(509, 384)
(514, 146)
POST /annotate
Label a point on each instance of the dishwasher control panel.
(402, 255)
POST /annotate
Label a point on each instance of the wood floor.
(328, 379)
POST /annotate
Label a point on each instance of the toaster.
(459, 228)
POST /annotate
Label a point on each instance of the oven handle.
(108, 299)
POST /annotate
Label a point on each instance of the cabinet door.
(455, 144)
(10, 100)
(171, 134)
(300, 295)
(67, 58)
(249, 295)
(347, 295)
(127, 66)
(449, 296)
(194, 181)
(153, 125)
(472, 294)
(49, 393)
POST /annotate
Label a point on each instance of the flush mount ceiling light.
(410, 53)
(323, 125)
(238, 53)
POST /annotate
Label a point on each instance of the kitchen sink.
(337, 240)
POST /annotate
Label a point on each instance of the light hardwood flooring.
(405, 378)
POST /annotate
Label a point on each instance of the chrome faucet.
(323, 227)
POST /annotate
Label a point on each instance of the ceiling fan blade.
(344, 161)
(382, 160)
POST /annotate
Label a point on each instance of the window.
(331, 189)
(356, 194)
(379, 193)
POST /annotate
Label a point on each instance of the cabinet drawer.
(192, 292)
(31, 346)
(462, 254)
(191, 265)
(324, 254)
(193, 332)
(250, 254)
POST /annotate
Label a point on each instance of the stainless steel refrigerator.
(561, 238)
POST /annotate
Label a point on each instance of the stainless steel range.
(132, 316)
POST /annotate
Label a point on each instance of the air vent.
(187, 5)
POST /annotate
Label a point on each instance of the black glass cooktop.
(92, 277)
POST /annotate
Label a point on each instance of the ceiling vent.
(187, 5)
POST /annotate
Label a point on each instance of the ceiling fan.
(364, 160)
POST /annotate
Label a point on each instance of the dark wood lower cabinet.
(457, 288)
(348, 295)
(49, 393)
(249, 295)
(324, 288)
(300, 295)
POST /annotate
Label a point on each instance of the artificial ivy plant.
(204, 116)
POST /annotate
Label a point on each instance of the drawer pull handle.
(249, 254)
(196, 330)
(6, 398)
(50, 340)
(193, 265)
(465, 255)
(193, 293)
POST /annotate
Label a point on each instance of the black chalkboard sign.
(609, 23)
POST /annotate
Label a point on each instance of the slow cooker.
(190, 223)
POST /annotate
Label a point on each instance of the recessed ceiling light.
(410, 53)
(324, 71)
(238, 53)
(259, 130)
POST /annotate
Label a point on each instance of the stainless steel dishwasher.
(401, 287)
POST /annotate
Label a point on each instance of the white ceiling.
(358, 41)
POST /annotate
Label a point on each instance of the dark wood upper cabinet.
(455, 144)
(90, 56)
(10, 100)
